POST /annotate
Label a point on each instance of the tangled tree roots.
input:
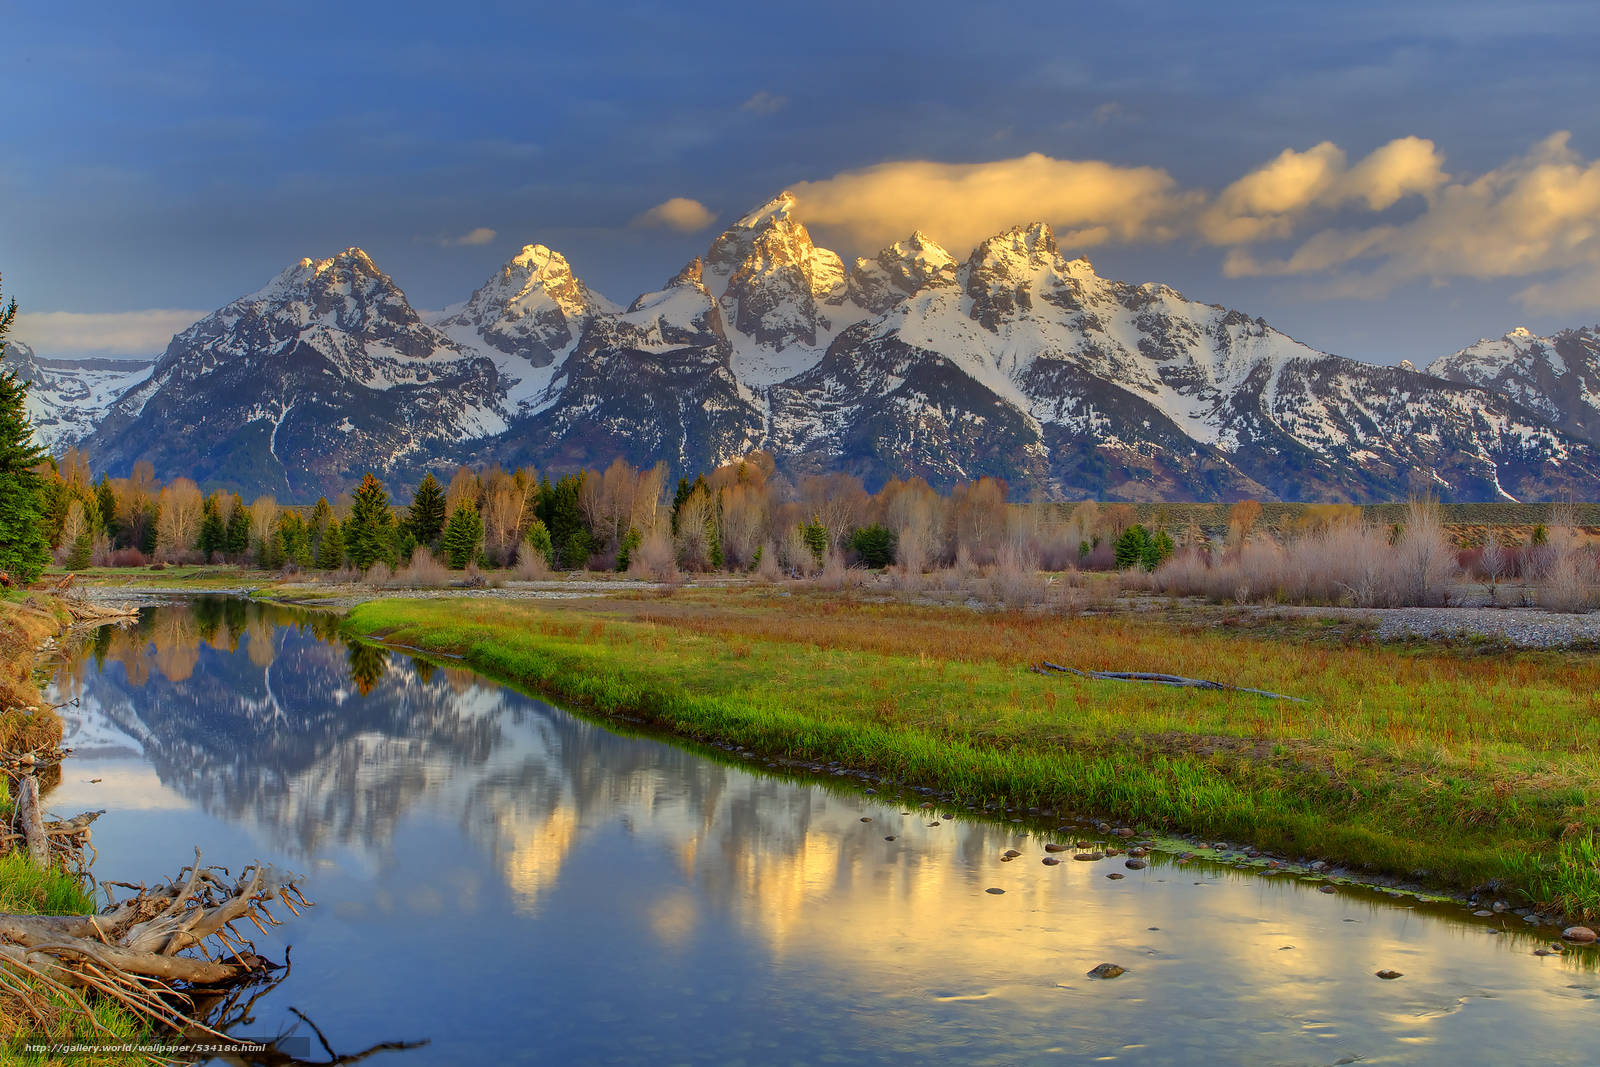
(163, 952)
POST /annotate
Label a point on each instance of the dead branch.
(1046, 667)
(156, 950)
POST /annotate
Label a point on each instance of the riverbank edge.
(666, 713)
(41, 622)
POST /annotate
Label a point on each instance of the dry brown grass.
(25, 723)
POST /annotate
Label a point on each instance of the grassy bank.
(1458, 769)
(25, 624)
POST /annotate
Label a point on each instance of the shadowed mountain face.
(1017, 361)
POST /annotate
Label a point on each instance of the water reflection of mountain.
(261, 714)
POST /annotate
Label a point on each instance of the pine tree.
(538, 536)
(106, 498)
(330, 550)
(425, 518)
(213, 534)
(369, 534)
(462, 535)
(24, 548)
(237, 539)
(321, 517)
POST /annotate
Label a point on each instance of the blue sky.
(167, 156)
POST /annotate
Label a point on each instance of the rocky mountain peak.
(774, 281)
(904, 268)
(532, 308)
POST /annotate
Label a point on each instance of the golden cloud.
(680, 213)
(961, 204)
(1537, 214)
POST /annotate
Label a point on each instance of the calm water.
(515, 884)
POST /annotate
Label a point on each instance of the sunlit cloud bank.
(1358, 229)
(127, 333)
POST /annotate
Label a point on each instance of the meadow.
(1425, 762)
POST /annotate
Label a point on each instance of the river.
(512, 883)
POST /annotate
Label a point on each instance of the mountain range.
(1016, 361)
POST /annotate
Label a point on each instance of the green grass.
(27, 890)
(1458, 770)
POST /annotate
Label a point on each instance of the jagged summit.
(778, 208)
(1557, 376)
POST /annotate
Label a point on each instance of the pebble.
(1137, 851)
(1325, 889)
(1011, 854)
(889, 838)
(866, 818)
(1389, 976)
(1483, 913)
(1107, 970)
(1050, 861)
(1581, 934)
(1090, 856)
(1054, 847)
(1122, 831)
(1134, 865)
(996, 892)
(934, 823)
(1116, 875)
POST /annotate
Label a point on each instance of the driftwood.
(1045, 667)
(30, 821)
(156, 950)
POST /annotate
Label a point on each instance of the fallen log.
(1045, 667)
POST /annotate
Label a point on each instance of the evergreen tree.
(82, 550)
(425, 518)
(538, 536)
(1130, 548)
(321, 517)
(106, 499)
(237, 539)
(815, 535)
(213, 534)
(875, 544)
(330, 550)
(563, 517)
(630, 544)
(369, 534)
(462, 534)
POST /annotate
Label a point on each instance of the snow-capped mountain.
(1017, 361)
(67, 398)
(1027, 364)
(527, 318)
(302, 387)
(1558, 377)
(655, 382)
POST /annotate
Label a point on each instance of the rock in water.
(1109, 970)
(996, 892)
(1581, 934)
(1389, 976)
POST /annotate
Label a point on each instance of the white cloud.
(764, 103)
(961, 204)
(480, 235)
(680, 213)
(125, 333)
